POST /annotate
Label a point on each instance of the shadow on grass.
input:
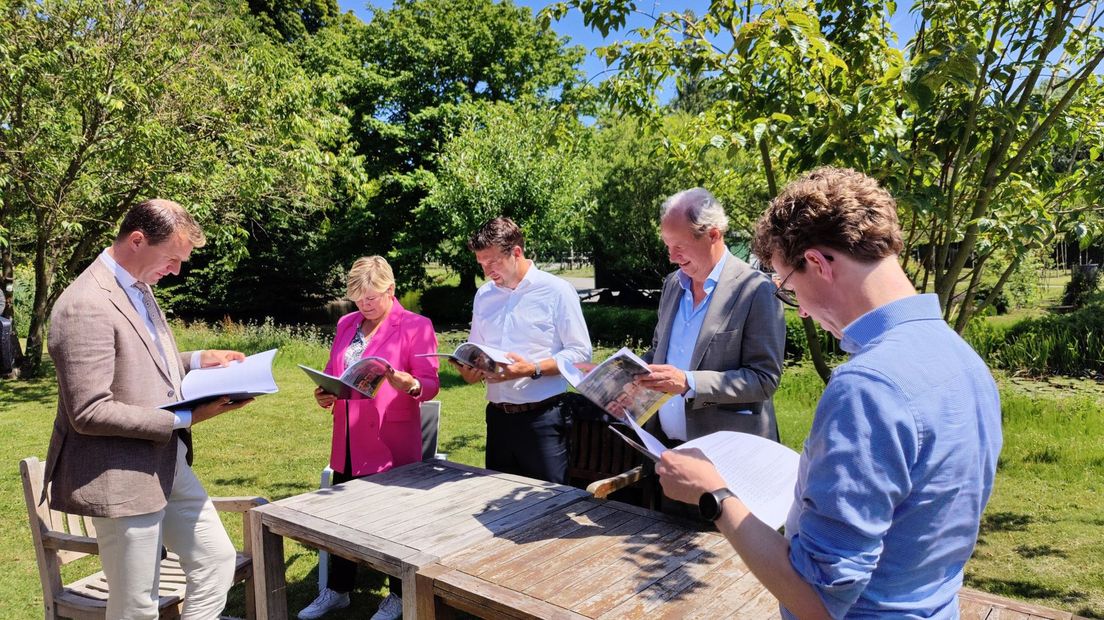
(269, 489)
(14, 393)
(1039, 551)
(1004, 522)
(1017, 588)
(460, 442)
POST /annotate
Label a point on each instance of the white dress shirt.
(539, 319)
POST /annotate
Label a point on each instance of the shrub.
(448, 306)
(1069, 344)
(1082, 285)
(616, 326)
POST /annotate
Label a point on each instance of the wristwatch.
(710, 504)
(537, 372)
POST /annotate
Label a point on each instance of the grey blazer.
(737, 359)
(113, 452)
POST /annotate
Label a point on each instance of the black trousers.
(343, 572)
(529, 443)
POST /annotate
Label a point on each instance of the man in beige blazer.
(719, 340)
(115, 455)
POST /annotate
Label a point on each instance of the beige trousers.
(130, 551)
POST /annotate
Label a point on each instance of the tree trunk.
(467, 280)
(40, 308)
(812, 339)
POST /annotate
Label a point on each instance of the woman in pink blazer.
(371, 435)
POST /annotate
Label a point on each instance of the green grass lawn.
(1042, 539)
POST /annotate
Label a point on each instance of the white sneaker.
(390, 609)
(327, 601)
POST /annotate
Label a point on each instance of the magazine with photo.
(479, 356)
(610, 385)
(363, 377)
(239, 380)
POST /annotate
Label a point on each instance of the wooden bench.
(60, 538)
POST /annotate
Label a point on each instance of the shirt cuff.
(195, 359)
(691, 391)
(182, 418)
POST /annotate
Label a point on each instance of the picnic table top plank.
(601, 570)
(412, 512)
(498, 569)
(322, 501)
(538, 533)
(643, 592)
(500, 602)
(457, 532)
(715, 583)
(343, 541)
(524, 573)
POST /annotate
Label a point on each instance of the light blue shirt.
(538, 319)
(182, 417)
(685, 328)
(897, 468)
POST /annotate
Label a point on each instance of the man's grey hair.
(701, 208)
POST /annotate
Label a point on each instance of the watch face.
(708, 507)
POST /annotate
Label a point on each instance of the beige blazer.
(113, 452)
(737, 358)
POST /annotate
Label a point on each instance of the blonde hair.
(369, 273)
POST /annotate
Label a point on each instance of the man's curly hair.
(840, 208)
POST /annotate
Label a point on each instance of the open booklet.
(761, 472)
(239, 381)
(363, 377)
(474, 355)
(610, 385)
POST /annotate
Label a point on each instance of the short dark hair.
(500, 232)
(158, 219)
(840, 208)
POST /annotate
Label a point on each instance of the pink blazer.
(386, 431)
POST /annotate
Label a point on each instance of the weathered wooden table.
(596, 559)
(397, 522)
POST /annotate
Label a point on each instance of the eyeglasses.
(787, 295)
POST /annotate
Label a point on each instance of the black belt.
(526, 407)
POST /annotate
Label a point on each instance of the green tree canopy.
(421, 62)
(103, 104)
(515, 160)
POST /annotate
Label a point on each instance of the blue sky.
(903, 23)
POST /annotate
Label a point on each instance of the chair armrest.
(602, 488)
(237, 504)
(70, 542)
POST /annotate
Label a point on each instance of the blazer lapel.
(119, 298)
(720, 306)
(668, 308)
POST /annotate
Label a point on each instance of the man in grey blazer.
(719, 340)
(115, 455)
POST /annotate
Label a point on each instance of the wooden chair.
(61, 538)
(603, 464)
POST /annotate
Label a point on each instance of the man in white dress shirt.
(537, 319)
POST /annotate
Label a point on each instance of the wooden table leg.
(427, 605)
(269, 583)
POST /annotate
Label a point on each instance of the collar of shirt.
(865, 329)
(122, 275)
(710, 284)
(526, 281)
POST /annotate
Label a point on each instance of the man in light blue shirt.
(902, 453)
(720, 335)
